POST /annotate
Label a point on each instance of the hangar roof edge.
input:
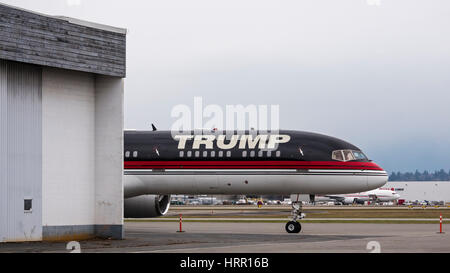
(73, 20)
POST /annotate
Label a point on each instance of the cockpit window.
(359, 155)
(337, 155)
(347, 155)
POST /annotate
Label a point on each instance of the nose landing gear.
(294, 226)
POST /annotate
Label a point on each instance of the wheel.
(290, 227)
(293, 227)
(299, 227)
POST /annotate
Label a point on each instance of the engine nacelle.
(146, 206)
(353, 200)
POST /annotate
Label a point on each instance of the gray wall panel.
(3, 148)
(21, 178)
(57, 42)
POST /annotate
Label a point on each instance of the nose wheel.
(294, 226)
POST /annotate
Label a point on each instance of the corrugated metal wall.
(3, 148)
(20, 151)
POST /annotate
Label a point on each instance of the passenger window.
(229, 154)
(127, 154)
(269, 153)
(252, 154)
(205, 154)
(244, 154)
(260, 154)
(189, 154)
(197, 154)
(220, 153)
(181, 154)
(135, 154)
(213, 154)
(278, 154)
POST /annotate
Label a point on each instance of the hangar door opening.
(20, 152)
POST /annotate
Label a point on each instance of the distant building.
(61, 127)
(430, 191)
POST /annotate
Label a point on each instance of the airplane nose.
(376, 182)
(378, 179)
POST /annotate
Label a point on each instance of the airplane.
(377, 195)
(242, 201)
(301, 164)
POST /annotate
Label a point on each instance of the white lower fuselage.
(250, 181)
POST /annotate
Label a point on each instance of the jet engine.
(146, 206)
(353, 200)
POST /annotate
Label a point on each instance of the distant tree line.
(441, 175)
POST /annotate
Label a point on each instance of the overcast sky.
(373, 72)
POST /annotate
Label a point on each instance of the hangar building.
(61, 127)
(422, 190)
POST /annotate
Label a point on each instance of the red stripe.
(251, 165)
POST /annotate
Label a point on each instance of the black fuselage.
(161, 146)
(212, 162)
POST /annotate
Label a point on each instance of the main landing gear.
(294, 226)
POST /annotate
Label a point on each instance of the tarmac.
(232, 237)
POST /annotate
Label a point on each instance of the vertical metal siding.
(22, 136)
(3, 146)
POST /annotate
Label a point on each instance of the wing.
(336, 197)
